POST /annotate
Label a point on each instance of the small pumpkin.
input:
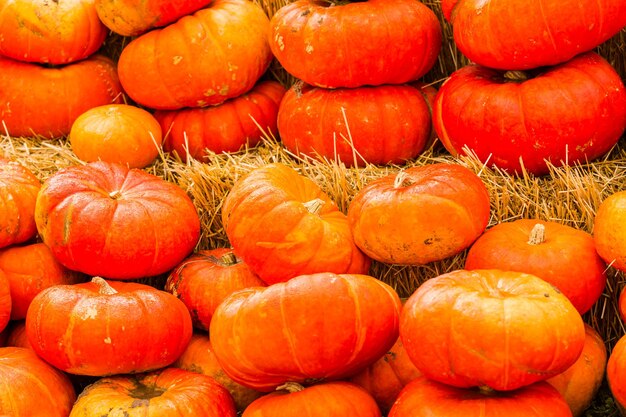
(609, 234)
(104, 328)
(18, 194)
(119, 133)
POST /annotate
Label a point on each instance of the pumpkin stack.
(354, 61)
(535, 91)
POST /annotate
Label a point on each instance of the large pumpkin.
(529, 34)
(548, 250)
(301, 343)
(203, 59)
(609, 233)
(18, 194)
(419, 215)
(378, 125)
(573, 112)
(106, 219)
(168, 392)
(283, 225)
(52, 32)
(29, 387)
(241, 121)
(56, 95)
(351, 44)
(493, 328)
(99, 328)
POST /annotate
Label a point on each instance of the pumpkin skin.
(199, 357)
(358, 326)
(283, 225)
(420, 215)
(226, 127)
(203, 59)
(499, 329)
(206, 278)
(378, 125)
(492, 34)
(330, 399)
(101, 329)
(18, 194)
(51, 32)
(545, 249)
(170, 391)
(536, 119)
(580, 383)
(108, 220)
(615, 373)
(57, 96)
(608, 230)
(425, 398)
(26, 380)
(117, 133)
(134, 17)
(5, 301)
(355, 44)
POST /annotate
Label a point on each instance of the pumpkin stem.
(105, 288)
(402, 180)
(516, 76)
(291, 387)
(115, 194)
(485, 390)
(314, 206)
(228, 259)
(297, 88)
(537, 235)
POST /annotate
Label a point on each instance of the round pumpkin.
(357, 326)
(18, 194)
(166, 392)
(377, 125)
(570, 113)
(31, 269)
(203, 59)
(425, 398)
(238, 122)
(6, 303)
(548, 250)
(351, 44)
(526, 34)
(134, 17)
(108, 220)
(99, 328)
(419, 215)
(500, 329)
(616, 373)
(30, 387)
(56, 95)
(203, 280)
(118, 133)
(609, 233)
(199, 357)
(16, 335)
(51, 32)
(330, 399)
(283, 225)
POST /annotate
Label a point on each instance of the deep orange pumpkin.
(56, 96)
(573, 112)
(609, 230)
(163, 393)
(548, 250)
(283, 225)
(31, 387)
(101, 329)
(357, 326)
(425, 398)
(500, 329)
(108, 220)
(616, 373)
(241, 121)
(18, 194)
(203, 59)
(419, 215)
(351, 44)
(203, 280)
(53, 32)
(5, 301)
(377, 125)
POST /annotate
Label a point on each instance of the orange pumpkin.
(117, 133)
(616, 374)
(18, 194)
(609, 230)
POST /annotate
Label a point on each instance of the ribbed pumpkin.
(18, 195)
(238, 122)
(56, 96)
(203, 59)
(357, 326)
(99, 328)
